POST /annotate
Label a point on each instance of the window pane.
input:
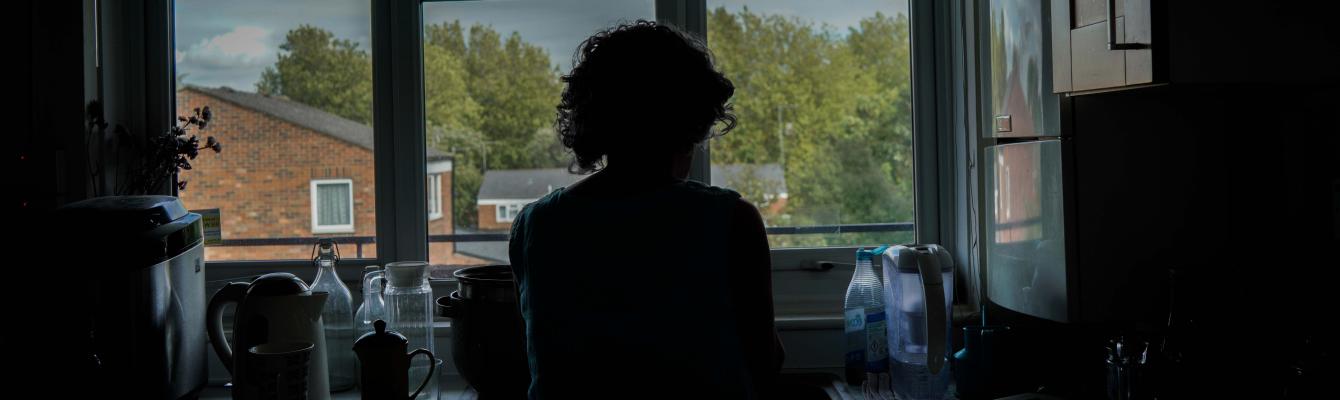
(289, 84)
(333, 206)
(491, 72)
(824, 100)
(434, 196)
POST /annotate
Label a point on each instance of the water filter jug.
(918, 294)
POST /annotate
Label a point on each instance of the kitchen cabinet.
(1104, 45)
(1100, 44)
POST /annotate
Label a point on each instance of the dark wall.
(47, 136)
(1235, 185)
(49, 139)
(1230, 174)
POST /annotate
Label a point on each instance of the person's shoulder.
(709, 190)
(746, 214)
(548, 199)
(539, 206)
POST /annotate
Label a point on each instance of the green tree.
(518, 90)
(881, 46)
(489, 101)
(834, 110)
(319, 70)
(490, 105)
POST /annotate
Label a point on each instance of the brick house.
(293, 171)
(504, 192)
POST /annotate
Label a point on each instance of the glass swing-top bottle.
(337, 317)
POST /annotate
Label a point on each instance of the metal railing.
(359, 241)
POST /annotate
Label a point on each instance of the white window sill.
(341, 229)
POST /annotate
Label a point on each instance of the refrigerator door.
(1022, 102)
(1025, 238)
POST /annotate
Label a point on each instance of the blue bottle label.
(856, 338)
(877, 341)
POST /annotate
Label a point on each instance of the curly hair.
(644, 89)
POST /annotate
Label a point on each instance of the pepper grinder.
(385, 372)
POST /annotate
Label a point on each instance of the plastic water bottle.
(867, 343)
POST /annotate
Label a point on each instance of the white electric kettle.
(275, 308)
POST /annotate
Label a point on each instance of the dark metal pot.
(488, 339)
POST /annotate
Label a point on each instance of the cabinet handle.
(1112, 31)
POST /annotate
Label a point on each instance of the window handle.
(1112, 43)
(818, 266)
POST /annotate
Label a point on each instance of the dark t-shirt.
(629, 295)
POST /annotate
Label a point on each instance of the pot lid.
(381, 339)
(486, 274)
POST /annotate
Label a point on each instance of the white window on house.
(332, 206)
(434, 197)
(508, 212)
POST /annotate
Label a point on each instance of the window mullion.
(925, 118)
(691, 16)
(398, 122)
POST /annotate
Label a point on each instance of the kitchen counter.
(801, 384)
(452, 387)
(798, 384)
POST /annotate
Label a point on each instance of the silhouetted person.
(634, 282)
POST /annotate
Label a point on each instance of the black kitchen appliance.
(141, 273)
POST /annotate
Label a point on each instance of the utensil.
(279, 371)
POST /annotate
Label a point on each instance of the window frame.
(803, 285)
(385, 151)
(400, 136)
(808, 282)
(931, 115)
(932, 148)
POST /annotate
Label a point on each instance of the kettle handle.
(934, 292)
(432, 366)
(229, 294)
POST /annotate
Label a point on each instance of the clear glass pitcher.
(374, 306)
(919, 294)
(409, 310)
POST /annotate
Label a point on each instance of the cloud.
(244, 46)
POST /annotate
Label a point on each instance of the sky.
(229, 43)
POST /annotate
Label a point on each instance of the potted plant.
(165, 154)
